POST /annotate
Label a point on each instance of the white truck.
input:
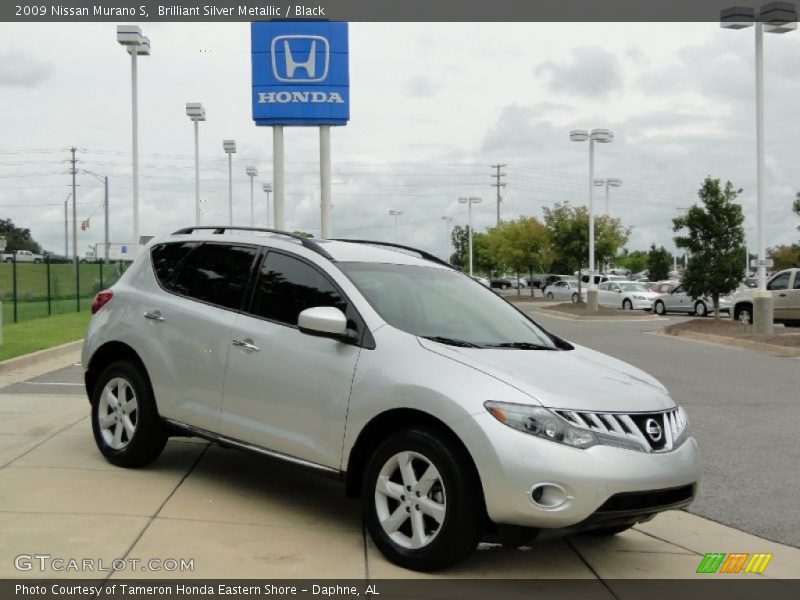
(22, 256)
(116, 252)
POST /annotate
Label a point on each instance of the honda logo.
(300, 58)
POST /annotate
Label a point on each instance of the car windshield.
(444, 306)
(633, 287)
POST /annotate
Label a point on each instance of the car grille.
(656, 432)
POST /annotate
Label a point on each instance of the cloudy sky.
(433, 105)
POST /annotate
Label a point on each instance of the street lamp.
(267, 187)
(447, 222)
(136, 44)
(196, 113)
(608, 183)
(775, 17)
(252, 172)
(469, 202)
(104, 179)
(229, 146)
(602, 136)
(395, 214)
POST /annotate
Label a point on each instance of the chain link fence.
(35, 290)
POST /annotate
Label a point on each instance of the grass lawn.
(38, 334)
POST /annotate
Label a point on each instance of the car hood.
(579, 379)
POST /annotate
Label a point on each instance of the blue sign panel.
(300, 73)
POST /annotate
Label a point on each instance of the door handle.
(783, 295)
(246, 345)
(154, 316)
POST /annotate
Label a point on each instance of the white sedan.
(565, 290)
(629, 295)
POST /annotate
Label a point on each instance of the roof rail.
(220, 229)
(422, 253)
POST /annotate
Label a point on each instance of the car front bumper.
(512, 463)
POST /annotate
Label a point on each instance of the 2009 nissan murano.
(450, 413)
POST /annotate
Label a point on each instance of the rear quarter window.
(167, 257)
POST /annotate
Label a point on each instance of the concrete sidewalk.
(242, 516)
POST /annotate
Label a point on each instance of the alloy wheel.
(744, 317)
(118, 413)
(410, 500)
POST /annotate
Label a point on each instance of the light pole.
(608, 183)
(447, 222)
(196, 113)
(469, 202)
(136, 44)
(602, 136)
(775, 17)
(251, 173)
(105, 208)
(395, 214)
(229, 146)
(267, 187)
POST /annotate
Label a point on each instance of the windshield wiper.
(450, 341)
(520, 346)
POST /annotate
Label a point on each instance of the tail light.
(101, 299)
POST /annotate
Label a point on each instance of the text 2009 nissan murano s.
(453, 415)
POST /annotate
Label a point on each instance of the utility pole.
(498, 177)
(66, 226)
(74, 172)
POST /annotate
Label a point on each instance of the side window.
(215, 273)
(167, 257)
(797, 280)
(287, 286)
(678, 290)
(781, 282)
(603, 286)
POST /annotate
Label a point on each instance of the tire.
(37, 261)
(627, 304)
(604, 531)
(504, 286)
(141, 440)
(8, 260)
(455, 496)
(550, 295)
(744, 314)
(700, 309)
(575, 298)
(660, 308)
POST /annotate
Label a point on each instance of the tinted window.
(215, 273)
(167, 257)
(797, 280)
(781, 282)
(287, 286)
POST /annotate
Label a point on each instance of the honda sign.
(300, 73)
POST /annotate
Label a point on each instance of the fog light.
(548, 495)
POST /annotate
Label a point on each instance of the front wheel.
(127, 429)
(700, 309)
(422, 504)
(504, 286)
(575, 298)
(744, 315)
(627, 304)
(550, 295)
(660, 308)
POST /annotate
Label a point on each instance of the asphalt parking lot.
(238, 515)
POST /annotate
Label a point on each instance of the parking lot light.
(469, 202)
(251, 173)
(395, 214)
(196, 113)
(267, 187)
(229, 146)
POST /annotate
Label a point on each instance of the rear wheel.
(504, 286)
(422, 504)
(660, 308)
(744, 314)
(627, 304)
(700, 309)
(575, 298)
(126, 425)
(550, 295)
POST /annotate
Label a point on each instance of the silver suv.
(453, 415)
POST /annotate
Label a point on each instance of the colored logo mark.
(735, 562)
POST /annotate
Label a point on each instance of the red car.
(663, 287)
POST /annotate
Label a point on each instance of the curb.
(738, 343)
(27, 360)
(557, 314)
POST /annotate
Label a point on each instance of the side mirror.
(325, 321)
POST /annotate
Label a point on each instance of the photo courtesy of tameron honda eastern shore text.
(452, 415)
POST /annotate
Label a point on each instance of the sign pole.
(277, 176)
(325, 179)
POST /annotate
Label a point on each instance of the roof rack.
(422, 253)
(220, 229)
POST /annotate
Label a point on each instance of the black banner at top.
(372, 10)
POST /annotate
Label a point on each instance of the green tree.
(483, 261)
(785, 256)
(522, 245)
(715, 239)
(17, 238)
(459, 237)
(796, 207)
(659, 261)
(635, 261)
(568, 227)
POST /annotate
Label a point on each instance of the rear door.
(288, 391)
(780, 287)
(604, 295)
(793, 310)
(189, 321)
(676, 300)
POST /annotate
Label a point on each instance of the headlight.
(683, 427)
(639, 298)
(545, 424)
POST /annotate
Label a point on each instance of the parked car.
(663, 287)
(678, 300)
(57, 259)
(504, 283)
(566, 289)
(785, 289)
(552, 278)
(629, 295)
(22, 256)
(598, 279)
(451, 413)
